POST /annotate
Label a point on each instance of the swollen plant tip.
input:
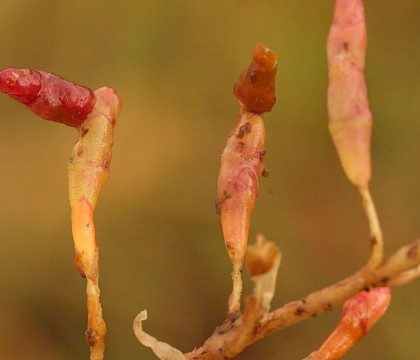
(242, 161)
(359, 314)
(48, 95)
(350, 118)
(94, 115)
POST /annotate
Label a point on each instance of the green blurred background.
(174, 64)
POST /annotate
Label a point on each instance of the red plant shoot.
(242, 160)
(94, 115)
(47, 95)
(360, 313)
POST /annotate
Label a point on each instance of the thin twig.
(318, 302)
(405, 277)
(376, 238)
(404, 259)
(234, 336)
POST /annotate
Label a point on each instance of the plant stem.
(376, 238)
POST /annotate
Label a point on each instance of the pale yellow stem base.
(234, 303)
(376, 238)
(86, 260)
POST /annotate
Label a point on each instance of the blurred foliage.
(174, 64)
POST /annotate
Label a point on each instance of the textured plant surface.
(252, 312)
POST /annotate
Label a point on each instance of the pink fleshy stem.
(350, 119)
(242, 162)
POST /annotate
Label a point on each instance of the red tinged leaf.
(255, 88)
(48, 95)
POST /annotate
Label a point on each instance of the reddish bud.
(255, 87)
(48, 95)
(363, 310)
(360, 313)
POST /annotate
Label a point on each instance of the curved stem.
(376, 238)
(86, 255)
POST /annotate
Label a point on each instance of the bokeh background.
(174, 64)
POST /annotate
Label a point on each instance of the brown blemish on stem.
(346, 46)
(244, 130)
(300, 310)
(328, 307)
(218, 203)
(79, 152)
(218, 207)
(373, 241)
(78, 261)
(412, 252)
(90, 337)
(84, 132)
(240, 147)
(384, 280)
(265, 172)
